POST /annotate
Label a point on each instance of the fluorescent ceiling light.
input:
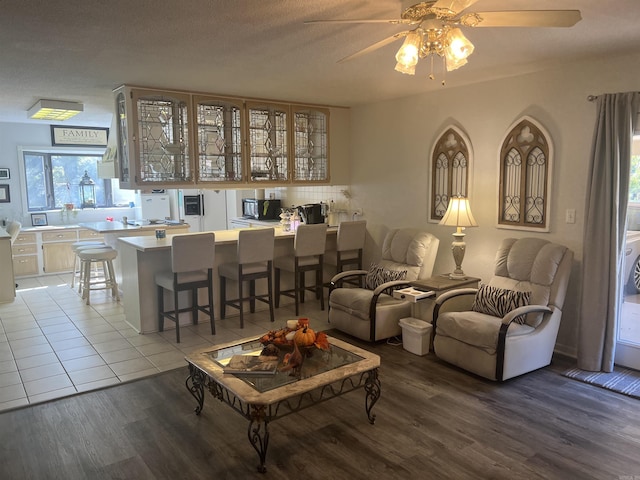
(54, 110)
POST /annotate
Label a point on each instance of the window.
(525, 173)
(450, 162)
(52, 180)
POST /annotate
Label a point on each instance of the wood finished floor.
(433, 421)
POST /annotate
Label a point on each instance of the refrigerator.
(153, 206)
(203, 209)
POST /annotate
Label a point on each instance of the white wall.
(11, 136)
(391, 143)
(14, 135)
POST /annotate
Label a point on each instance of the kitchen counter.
(119, 227)
(45, 228)
(113, 231)
(141, 257)
(223, 237)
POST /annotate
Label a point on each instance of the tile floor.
(53, 345)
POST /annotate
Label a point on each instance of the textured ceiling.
(79, 50)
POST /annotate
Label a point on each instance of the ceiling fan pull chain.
(444, 70)
(431, 77)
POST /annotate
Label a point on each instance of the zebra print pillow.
(378, 275)
(498, 301)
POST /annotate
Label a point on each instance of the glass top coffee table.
(264, 398)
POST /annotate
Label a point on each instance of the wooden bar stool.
(75, 247)
(308, 253)
(105, 256)
(254, 262)
(192, 259)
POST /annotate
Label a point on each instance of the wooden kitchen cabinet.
(57, 254)
(84, 234)
(25, 255)
(218, 140)
(154, 147)
(268, 142)
(310, 136)
(172, 139)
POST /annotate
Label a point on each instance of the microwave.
(261, 209)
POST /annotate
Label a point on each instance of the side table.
(438, 284)
(422, 294)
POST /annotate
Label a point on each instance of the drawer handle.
(21, 250)
(60, 235)
(23, 261)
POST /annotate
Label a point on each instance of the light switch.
(570, 215)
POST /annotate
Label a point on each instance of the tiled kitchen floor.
(53, 345)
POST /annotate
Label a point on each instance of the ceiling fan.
(436, 30)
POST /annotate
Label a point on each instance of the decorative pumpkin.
(304, 337)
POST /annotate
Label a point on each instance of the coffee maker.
(311, 213)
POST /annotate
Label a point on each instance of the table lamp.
(458, 215)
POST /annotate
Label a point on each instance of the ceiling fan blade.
(527, 18)
(392, 21)
(375, 46)
(454, 6)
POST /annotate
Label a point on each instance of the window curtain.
(604, 233)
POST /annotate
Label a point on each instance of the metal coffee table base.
(259, 416)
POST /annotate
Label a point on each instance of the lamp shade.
(458, 213)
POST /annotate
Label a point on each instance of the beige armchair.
(371, 313)
(509, 326)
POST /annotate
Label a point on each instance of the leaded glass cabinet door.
(268, 142)
(310, 144)
(122, 127)
(218, 140)
(162, 143)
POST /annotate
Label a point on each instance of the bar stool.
(75, 247)
(192, 259)
(349, 247)
(254, 262)
(104, 255)
(308, 253)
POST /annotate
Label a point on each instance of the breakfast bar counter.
(141, 257)
(112, 231)
(125, 229)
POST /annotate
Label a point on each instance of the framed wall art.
(5, 196)
(5, 174)
(39, 219)
(63, 136)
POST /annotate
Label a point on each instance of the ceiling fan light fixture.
(408, 54)
(458, 49)
(406, 69)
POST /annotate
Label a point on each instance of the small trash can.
(416, 335)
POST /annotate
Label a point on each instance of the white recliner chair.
(371, 313)
(509, 326)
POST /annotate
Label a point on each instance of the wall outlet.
(570, 215)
